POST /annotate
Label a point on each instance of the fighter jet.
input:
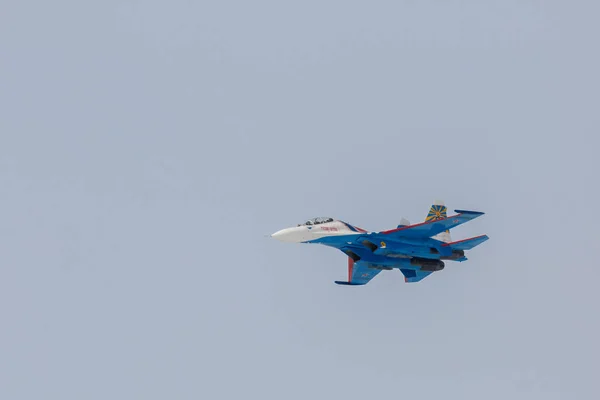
(416, 250)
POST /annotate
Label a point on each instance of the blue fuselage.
(377, 249)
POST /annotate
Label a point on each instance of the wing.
(411, 275)
(431, 228)
(359, 273)
(467, 244)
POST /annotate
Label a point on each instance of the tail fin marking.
(438, 211)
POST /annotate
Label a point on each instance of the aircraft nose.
(289, 235)
(282, 235)
(278, 234)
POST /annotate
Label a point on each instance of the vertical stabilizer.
(438, 211)
(403, 222)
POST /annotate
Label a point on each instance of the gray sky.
(146, 148)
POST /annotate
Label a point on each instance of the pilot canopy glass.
(317, 221)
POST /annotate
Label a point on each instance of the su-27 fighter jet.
(416, 250)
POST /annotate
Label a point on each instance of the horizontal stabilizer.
(411, 275)
(349, 283)
(468, 212)
(467, 244)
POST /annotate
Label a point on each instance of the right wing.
(359, 273)
(428, 229)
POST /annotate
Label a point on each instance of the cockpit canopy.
(317, 221)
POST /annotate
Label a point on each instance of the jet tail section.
(438, 211)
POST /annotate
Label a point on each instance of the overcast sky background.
(147, 147)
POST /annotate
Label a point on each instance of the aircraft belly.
(394, 254)
(399, 252)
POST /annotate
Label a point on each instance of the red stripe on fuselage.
(350, 268)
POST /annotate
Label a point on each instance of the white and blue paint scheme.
(417, 250)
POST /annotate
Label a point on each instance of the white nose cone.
(292, 235)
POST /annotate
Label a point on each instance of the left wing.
(431, 228)
(359, 273)
(411, 275)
